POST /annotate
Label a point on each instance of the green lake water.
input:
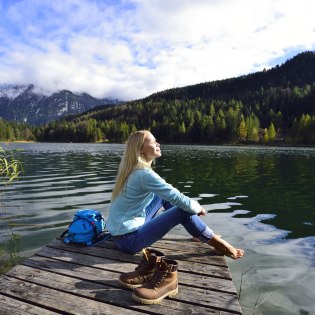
(260, 199)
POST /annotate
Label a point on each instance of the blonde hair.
(131, 160)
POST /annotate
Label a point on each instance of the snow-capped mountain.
(25, 103)
(12, 91)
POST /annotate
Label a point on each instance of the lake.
(258, 198)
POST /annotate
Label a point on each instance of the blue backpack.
(87, 228)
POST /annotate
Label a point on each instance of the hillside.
(266, 105)
(296, 72)
(22, 103)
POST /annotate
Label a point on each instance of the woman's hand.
(202, 212)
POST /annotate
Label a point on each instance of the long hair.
(131, 160)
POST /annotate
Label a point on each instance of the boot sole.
(156, 301)
(129, 286)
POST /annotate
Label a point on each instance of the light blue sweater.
(127, 212)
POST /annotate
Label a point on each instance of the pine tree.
(242, 130)
(271, 132)
(266, 136)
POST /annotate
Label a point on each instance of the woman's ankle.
(224, 248)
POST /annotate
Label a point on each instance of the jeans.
(156, 226)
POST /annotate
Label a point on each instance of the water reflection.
(274, 181)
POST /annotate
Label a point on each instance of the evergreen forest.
(275, 106)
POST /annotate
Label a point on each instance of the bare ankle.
(225, 248)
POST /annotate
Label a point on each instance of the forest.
(271, 106)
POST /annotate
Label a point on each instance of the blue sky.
(129, 49)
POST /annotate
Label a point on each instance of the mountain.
(23, 103)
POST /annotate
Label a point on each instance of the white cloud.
(130, 49)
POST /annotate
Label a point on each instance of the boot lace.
(158, 277)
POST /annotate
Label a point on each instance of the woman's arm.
(152, 182)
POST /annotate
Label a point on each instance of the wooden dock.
(72, 279)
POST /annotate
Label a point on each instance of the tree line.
(15, 131)
(190, 121)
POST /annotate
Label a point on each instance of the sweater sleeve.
(152, 182)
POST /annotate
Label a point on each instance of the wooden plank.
(193, 252)
(183, 249)
(10, 306)
(90, 274)
(189, 279)
(74, 279)
(55, 300)
(186, 266)
(105, 290)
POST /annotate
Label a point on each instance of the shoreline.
(234, 144)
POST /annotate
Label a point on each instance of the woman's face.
(150, 149)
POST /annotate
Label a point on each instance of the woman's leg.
(154, 229)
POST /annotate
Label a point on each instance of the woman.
(138, 195)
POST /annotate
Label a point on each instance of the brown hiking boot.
(162, 284)
(143, 271)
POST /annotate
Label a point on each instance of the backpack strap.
(62, 235)
(101, 238)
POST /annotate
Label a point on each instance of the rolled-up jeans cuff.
(206, 235)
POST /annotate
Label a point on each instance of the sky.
(129, 49)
